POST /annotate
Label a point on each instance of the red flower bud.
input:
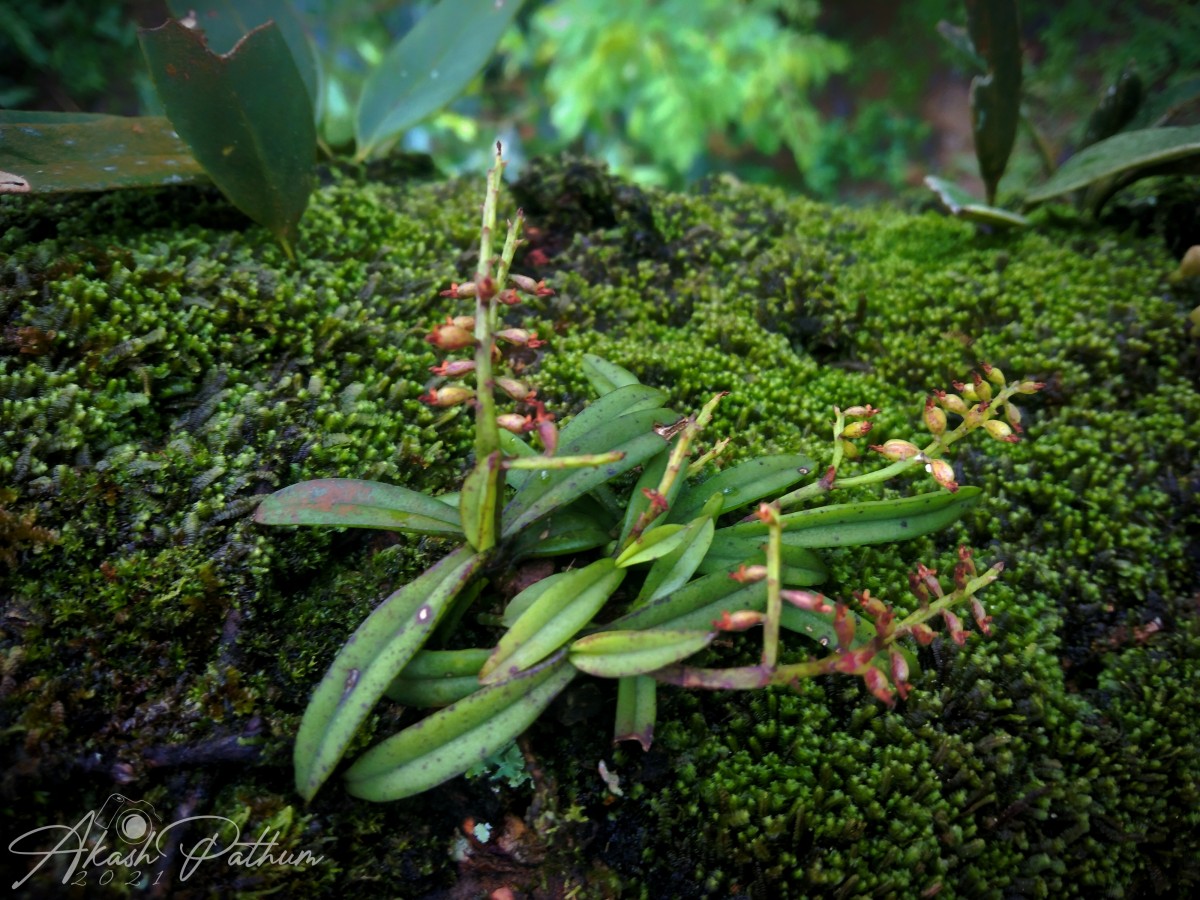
(923, 634)
(527, 285)
(982, 619)
(856, 429)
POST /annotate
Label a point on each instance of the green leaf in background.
(246, 116)
(961, 204)
(429, 67)
(1116, 108)
(56, 152)
(225, 22)
(995, 31)
(1123, 155)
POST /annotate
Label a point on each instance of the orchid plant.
(649, 580)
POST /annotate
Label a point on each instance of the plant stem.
(487, 433)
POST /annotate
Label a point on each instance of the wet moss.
(163, 367)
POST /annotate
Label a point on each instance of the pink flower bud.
(899, 666)
(943, 472)
(982, 619)
(859, 412)
(955, 627)
(929, 577)
(767, 513)
(923, 634)
(450, 337)
(1000, 431)
(897, 449)
(467, 322)
(448, 396)
(1014, 417)
(515, 389)
(873, 605)
(935, 419)
(745, 573)
(515, 423)
(806, 600)
(527, 285)
(856, 429)
(520, 336)
(920, 590)
(453, 368)
(843, 626)
(741, 620)
(508, 297)
(877, 684)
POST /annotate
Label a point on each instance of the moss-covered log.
(163, 367)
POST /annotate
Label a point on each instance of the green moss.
(164, 367)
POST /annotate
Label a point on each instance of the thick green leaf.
(995, 31)
(744, 483)
(637, 707)
(696, 605)
(623, 654)
(576, 436)
(246, 116)
(1120, 155)
(453, 739)
(656, 542)
(57, 152)
(517, 605)
(572, 529)
(553, 619)
(673, 570)
(870, 522)
(438, 677)
(358, 504)
(429, 67)
(368, 662)
(604, 376)
(961, 204)
(225, 22)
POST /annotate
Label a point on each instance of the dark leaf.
(246, 116)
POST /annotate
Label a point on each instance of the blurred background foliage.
(851, 100)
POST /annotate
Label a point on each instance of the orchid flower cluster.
(651, 572)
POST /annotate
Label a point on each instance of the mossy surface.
(164, 367)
